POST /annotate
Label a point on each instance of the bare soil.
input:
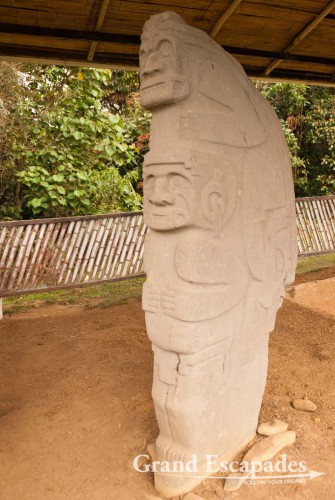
(76, 408)
(318, 295)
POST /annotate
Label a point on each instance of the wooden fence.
(50, 254)
(315, 225)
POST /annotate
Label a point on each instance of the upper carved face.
(169, 196)
(161, 72)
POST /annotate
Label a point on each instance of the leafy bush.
(70, 146)
(307, 114)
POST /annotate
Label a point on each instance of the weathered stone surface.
(192, 496)
(274, 426)
(304, 405)
(151, 451)
(270, 446)
(219, 202)
(261, 452)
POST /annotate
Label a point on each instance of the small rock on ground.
(303, 405)
(274, 426)
(324, 355)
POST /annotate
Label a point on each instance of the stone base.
(174, 484)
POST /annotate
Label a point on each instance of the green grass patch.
(105, 295)
(315, 263)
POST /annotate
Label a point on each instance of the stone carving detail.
(219, 202)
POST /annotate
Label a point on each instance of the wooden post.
(1, 311)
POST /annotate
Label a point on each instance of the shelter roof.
(272, 39)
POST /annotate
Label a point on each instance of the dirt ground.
(319, 295)
(76, 406)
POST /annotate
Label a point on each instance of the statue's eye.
(165, 48)
(149, 181)
(143, 55)
(179, 181)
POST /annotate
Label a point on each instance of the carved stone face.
(162, 79)
(195, 193)
(169, 196)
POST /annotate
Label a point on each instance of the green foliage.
(70, 146)
(116, 193)
(286, 98)
(120, 89)
(122, 95)
(10, 94)
(299, 170)
(307, 114)
(318, 148)
(72, 141)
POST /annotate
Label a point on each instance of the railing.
(315, 225)
(51, 254)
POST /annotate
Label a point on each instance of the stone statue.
(219, 202)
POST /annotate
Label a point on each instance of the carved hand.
(150, 298)
(169, 302)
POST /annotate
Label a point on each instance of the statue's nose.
(161, 194)
(152, 65)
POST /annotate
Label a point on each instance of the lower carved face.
(169, 196)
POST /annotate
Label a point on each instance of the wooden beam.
(100, 21)
(61, 61)
(68, 57)
(130, 60)
(266, 54)
(222, 19)
(123, 61)
(133, 65)
(69, 34)
(292, 77)
(308, 29)
(130, 40)
(126, 40)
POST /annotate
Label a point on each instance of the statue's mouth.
(155, 84)
(163, 91)
(166, 221)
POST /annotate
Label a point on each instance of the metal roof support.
(101, 18)
(310, 27)
(225, 16)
